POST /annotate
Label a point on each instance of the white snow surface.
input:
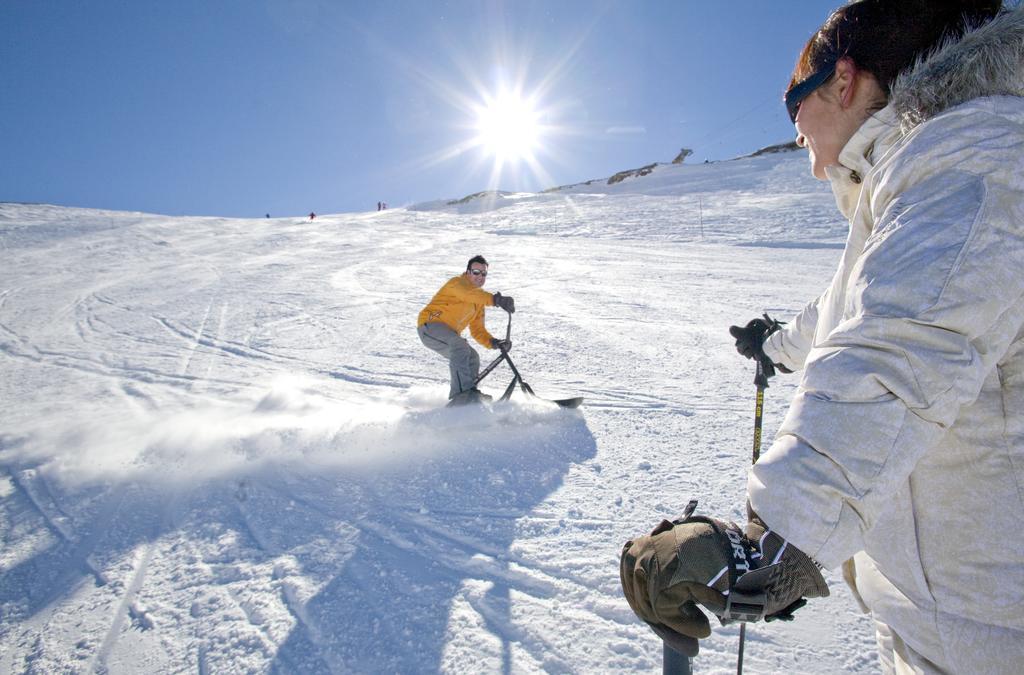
(224, 450)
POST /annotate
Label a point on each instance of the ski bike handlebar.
(504, 355)
(517, 379)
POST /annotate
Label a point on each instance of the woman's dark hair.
(476, 259)
(884, 37)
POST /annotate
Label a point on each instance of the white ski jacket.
(904, 445)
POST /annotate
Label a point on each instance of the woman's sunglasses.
(801, 90)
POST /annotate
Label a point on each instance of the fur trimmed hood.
(987, 61)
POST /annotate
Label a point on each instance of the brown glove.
(737, 575)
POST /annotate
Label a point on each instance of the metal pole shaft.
(743, 638)
(761, 382)
(758, 415)
(672, 662)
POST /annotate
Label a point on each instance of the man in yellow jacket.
(460, 303)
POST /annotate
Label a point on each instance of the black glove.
(750, 340)
(503, 345)
(667, 574)
(505, 302)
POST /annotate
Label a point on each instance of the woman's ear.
(846, 80)
(857, 89)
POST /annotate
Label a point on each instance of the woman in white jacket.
(904, 446)
(901, 458)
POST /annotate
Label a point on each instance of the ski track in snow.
(224, 449)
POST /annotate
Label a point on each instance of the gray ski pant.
(463, 361)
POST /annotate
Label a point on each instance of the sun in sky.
(504, 126)
(508, 127)
(509, 131)
(505, 117)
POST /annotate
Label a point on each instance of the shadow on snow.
(369, 560)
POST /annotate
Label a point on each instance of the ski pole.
(765, 369)
(672, 662)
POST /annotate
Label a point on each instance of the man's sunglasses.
(478, 273)
(801, 90)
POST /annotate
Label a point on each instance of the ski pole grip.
(765, 369)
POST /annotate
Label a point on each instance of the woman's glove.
(750, 341)
(737, 575)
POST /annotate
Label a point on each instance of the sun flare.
(508, 127)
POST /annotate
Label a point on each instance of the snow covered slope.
(223, 448)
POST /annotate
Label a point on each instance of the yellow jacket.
(459, 304)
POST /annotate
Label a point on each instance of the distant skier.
(901, 459)
(378, 206)
(312, 216)
(458, 304)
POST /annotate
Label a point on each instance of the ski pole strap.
(765, 367)
(746, 598)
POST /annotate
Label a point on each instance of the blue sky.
(246, 107)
